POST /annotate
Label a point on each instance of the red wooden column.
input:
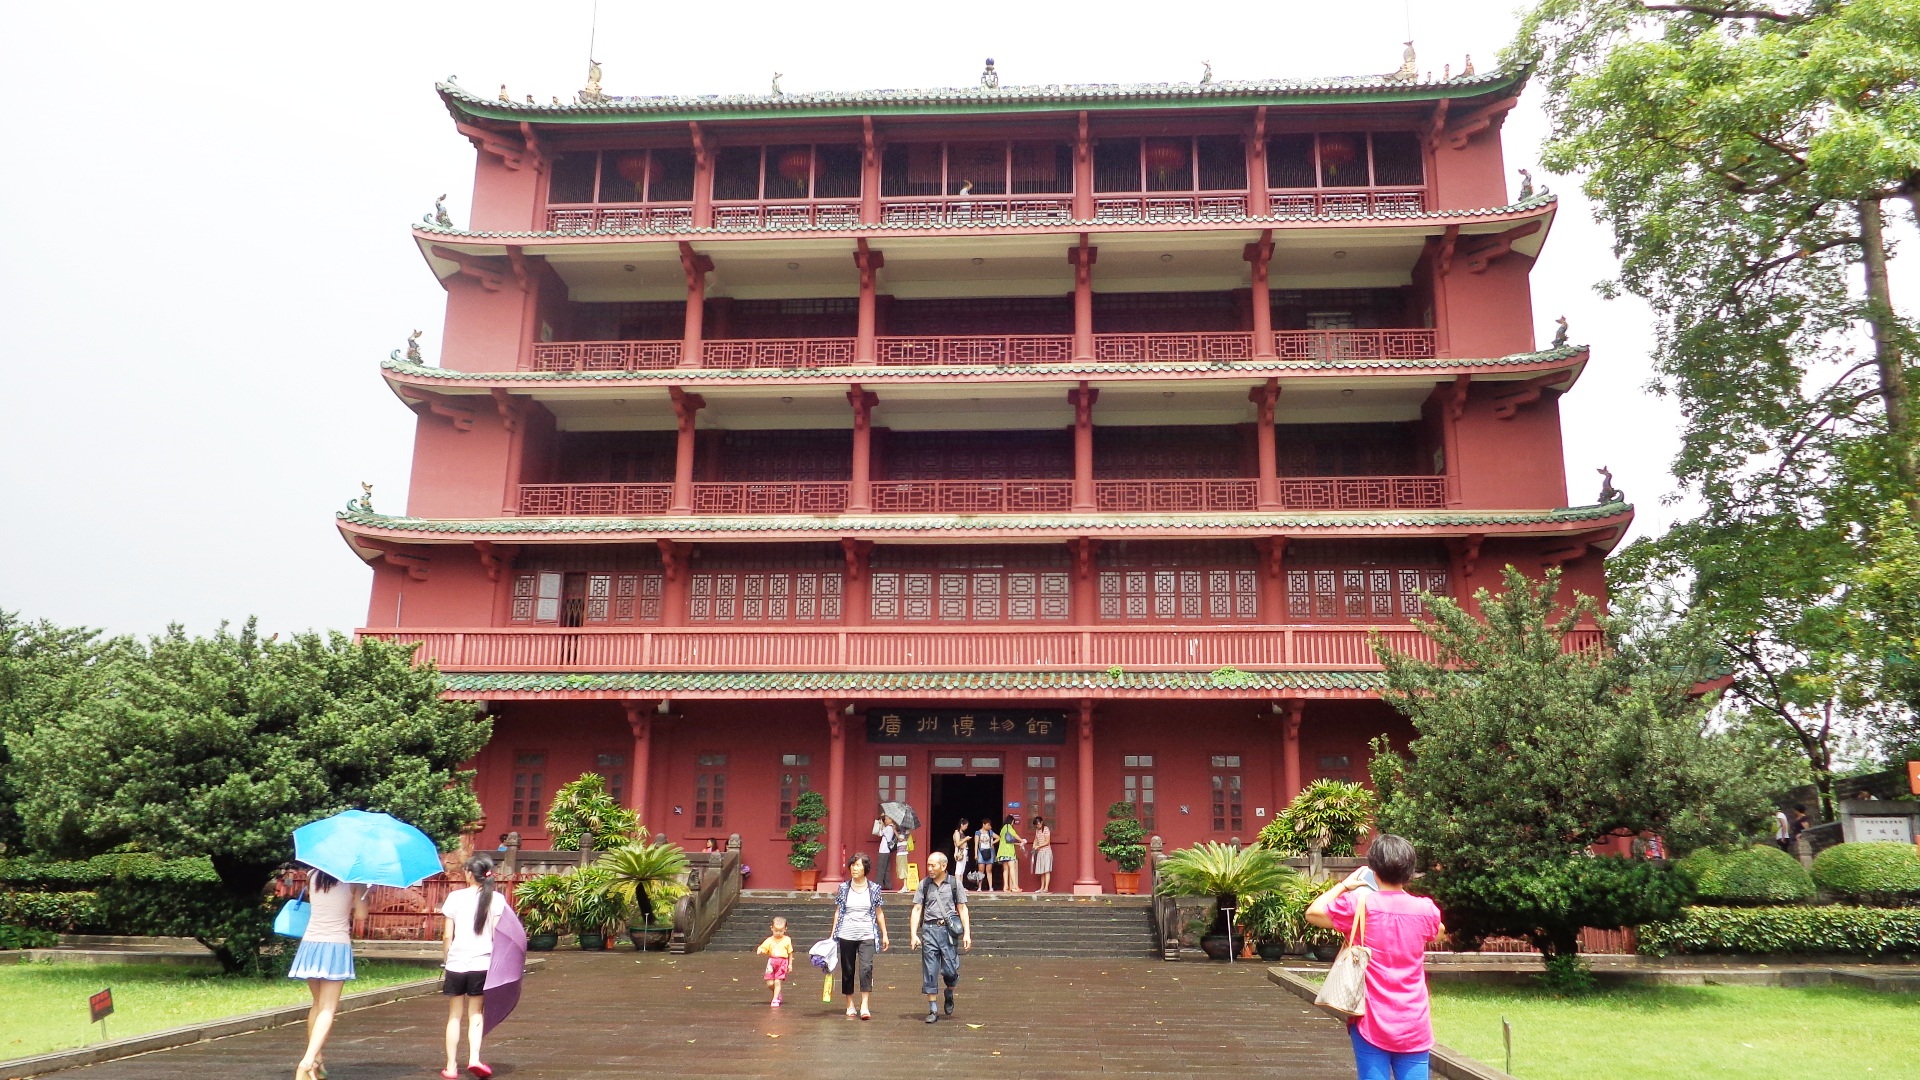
(1083, 257)
(673, 592)
(1261, 256)
(640, 723)
(865, 341)
(831, 869)
(1273, 602)
(1083, 173)
(863, 402)
(685, 407)
(702, 179)
(1290, 749)
(869, 174)
(697, 267)
(856, 594)
(1086, 884)
(1086, 589)
(1259, 200)
(1265, 397)
(1083, 398)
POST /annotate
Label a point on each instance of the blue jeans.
(939, 958)
(1377, 1064)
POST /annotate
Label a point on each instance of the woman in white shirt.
(325, 960)
(471, 914)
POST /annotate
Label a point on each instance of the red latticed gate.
(1362, 492)
(970, 496)
(546, 500)
(605, 355)
(756, 498)
(1335, 345)
(972, 350)
(1347, 204)
(410, 914)
(1223, 345)
(1622, 942)
(1176, 495)
(792, 354)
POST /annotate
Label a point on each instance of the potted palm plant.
(1124, 843)
(804, 840)
(544, 905)
(1328, 818)
(597, 910)
(638, 875)
(1232, 875)
(1277, 921)
(585, 806)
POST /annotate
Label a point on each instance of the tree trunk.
(1886, 352)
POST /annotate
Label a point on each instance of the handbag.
(291, 921)
(1344, 994)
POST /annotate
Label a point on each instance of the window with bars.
(660, 175)
(1136, 787)
(1346, 159)
(893, 778)
(1042, 785)
(985, 583)
(1229, 807)
(1209, 581)
(1173, 453)
(1170, 163)
(997, 167)
(529, 788)
(788, 171)
(979, 455)
(605, 598)
(785, 456)
(767, 583)
(710, 791)
(794, 782)
(612, 765)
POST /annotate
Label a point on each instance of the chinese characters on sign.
(965, 725)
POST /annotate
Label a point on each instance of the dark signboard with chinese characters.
(966, 726)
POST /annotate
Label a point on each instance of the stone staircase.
(1062, 926)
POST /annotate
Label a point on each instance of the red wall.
(1511, 463)
(460, 474)
(1473, 177)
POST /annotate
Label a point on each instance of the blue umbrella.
(367, 849)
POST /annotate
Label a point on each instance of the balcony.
(1296, 493)
(994, 350)
(917, 649)
(1346, 204)
(957, 212)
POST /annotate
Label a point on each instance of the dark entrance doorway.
(958, 795)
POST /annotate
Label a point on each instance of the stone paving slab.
(623, 1014)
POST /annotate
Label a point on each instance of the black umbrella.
(902, 815)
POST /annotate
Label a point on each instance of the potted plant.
(544, 905)
(584, 806)
(1233, 875)
(804, 838)
(1124, 843)
(637, 874)
(1327, 818)
(597, 910)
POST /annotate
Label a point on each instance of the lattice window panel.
(979, 455)
(623, 598)
(1347, 449)
(786, 456)
(1189, 595)
(972, 595)
(1146, 313)
(983, 315)
(1362, 594)
(1172, 453)
(767, 596)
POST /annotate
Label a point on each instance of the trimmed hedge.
(19, 937)
(1881, 872)
(1856, 930)
(1757, 875)
(54, 912)
(41, 875)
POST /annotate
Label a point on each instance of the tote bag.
(1344, 994)
(291, 921)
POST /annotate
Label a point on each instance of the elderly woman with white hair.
(940, 928)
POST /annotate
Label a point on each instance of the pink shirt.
(1398, 927)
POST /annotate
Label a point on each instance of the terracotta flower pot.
(1126, 883)
(805, 880)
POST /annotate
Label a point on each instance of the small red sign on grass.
(101, 1004)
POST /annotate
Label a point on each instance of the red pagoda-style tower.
(998, 449)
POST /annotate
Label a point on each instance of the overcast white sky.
(203, 235)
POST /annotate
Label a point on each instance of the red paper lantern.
(1166, 157)
(795, 167)
(1337, 152)
(635, 167)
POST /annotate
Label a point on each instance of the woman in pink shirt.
(1391, 1041)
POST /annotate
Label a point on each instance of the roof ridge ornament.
(1409, 70)
(439, 217)
(590, 94)
(1206, 73)
(363, 504)
(777, 92)
(990, 79)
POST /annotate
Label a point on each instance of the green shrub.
(1329, 814)
(55, 912)
(1875, 873)
(1762, 930)
(41, 875)
(1548, 902)
(19, 937)
(1757, 875)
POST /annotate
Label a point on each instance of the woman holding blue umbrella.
(325, 960)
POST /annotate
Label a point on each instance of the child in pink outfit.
(1391, 1041)
(778, 949)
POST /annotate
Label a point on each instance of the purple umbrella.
(503, 975)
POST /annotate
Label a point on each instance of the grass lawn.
(1656, 1032)
(43, 1006)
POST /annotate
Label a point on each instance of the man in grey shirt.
(939, 906)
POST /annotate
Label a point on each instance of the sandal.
(865, 1015)
(449, 1074)
(480, 1069)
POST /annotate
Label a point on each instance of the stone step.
(1011, 926)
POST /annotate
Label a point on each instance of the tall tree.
(1746, 155)
(222, 746)
(1527, 754)
(45, 669)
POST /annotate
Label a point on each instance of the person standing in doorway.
(857, 923)
(962, 844)
(940, 928)
(1009, 853)
(889, 840)
(1042, 854)
(986, 844)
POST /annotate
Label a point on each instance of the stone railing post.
(510, 864)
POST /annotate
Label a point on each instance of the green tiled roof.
(975, 99)
(934, 523)
(876, 371)
(1537, 202)
(903, 682)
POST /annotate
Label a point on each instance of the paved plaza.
(625, 1014)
